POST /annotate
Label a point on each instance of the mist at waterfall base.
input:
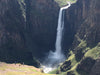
(53, 59)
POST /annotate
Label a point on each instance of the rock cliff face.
(89, 30)
(75, 16)
(13, 42)
(41, 24)
(11, 31)
(27, 29)
(83, 20)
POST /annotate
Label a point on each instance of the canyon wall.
(27, 29)
(12, 42)
(74, 19)
(83, 20)
(41, 25)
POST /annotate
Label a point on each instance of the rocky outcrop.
(65, 66)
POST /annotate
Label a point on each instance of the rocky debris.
(65, 66)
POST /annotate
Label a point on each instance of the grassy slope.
(64, 2)
(94, 53)
(74, 64)
(18, 69)
(89, 52)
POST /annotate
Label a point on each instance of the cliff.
(41, 19)
(83, 20)
(11, 31)
(27, 29)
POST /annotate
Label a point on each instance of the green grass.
(64, 2)
(88, 52)
(82, 44)
(74, 64)
(94, 52)
(72, 59)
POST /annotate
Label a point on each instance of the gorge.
(28, 32)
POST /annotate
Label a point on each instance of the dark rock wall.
(75, 15)
(42, 23)
(96, 68)
(27, 29)
(12, 42)
(83, 20)
(89, 30)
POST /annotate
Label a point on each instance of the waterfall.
(60, 29)
(54, 58)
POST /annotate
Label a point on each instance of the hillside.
(64, 2)
(19, 69)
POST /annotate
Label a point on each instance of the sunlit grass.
(94, 52)
(64, 2)
(19, 69)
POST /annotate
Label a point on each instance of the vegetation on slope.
(81, 61)
(93, 52)
(22, 7)
(64, 2)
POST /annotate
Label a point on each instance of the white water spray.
(54, 58)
